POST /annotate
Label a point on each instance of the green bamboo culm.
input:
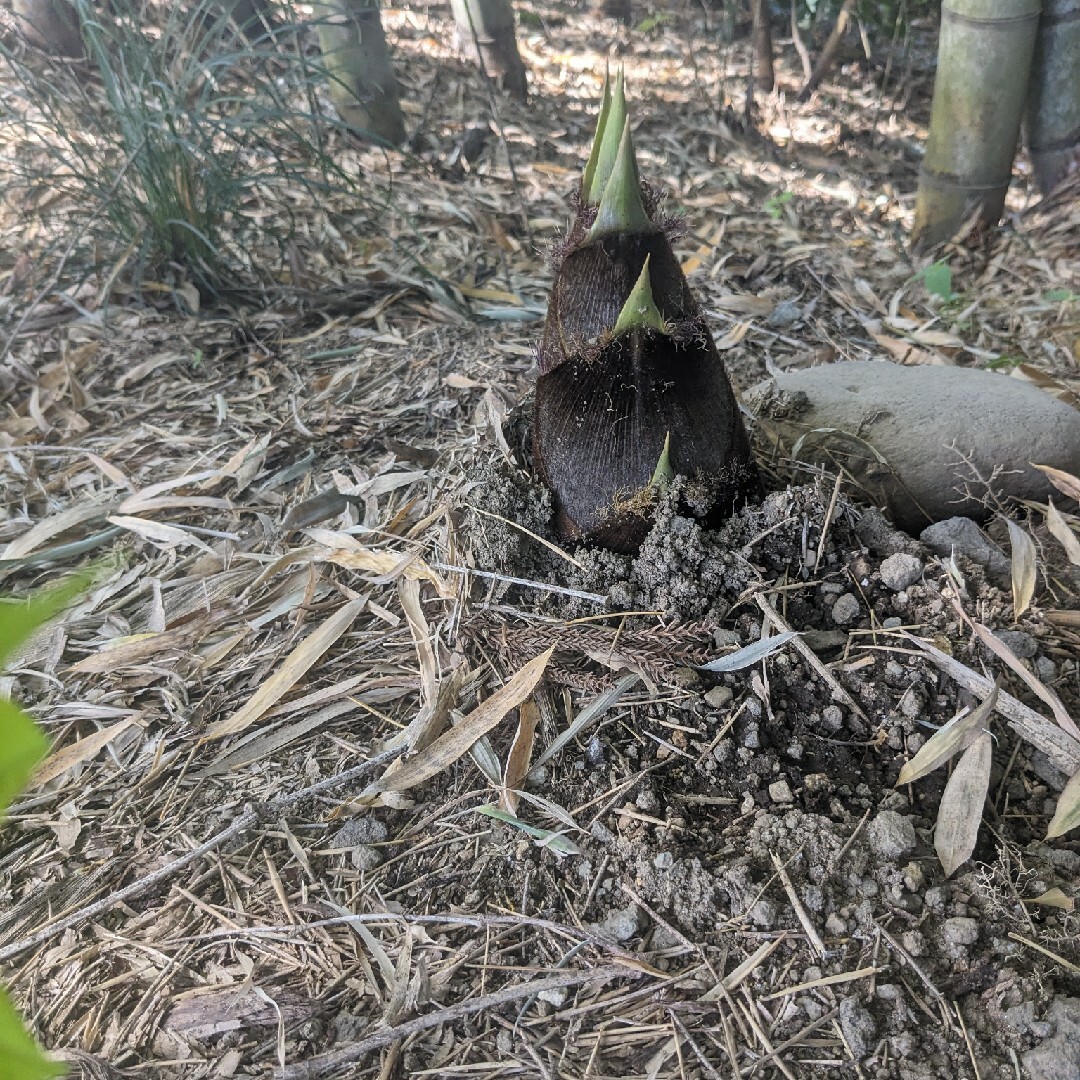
(361, 78)
(985, 51)
(1053, 108)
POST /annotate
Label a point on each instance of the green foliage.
(937, 278)
(21, 748)
(774, 205)
(1004, 363)
(182, 155)
(20, 1057)
(651, 22)
(1060, 296)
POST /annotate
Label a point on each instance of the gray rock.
(858, 1026)
(365, 858)
(787, 313)
(621, 924)
(764, 914)
(719, 696)
(924, 421)
(891, 835)
(1021, 642)
(832, 718)
(846, 609)
(780, 792)
(899, 571)
(962, 535)
(960, 932)
(365, 829)
(1057, 1057)
(875, 531)
(822, 641)
(1019, 1018)
(1045, 668)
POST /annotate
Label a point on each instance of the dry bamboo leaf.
(157, 532)
(50, 527)
(387, 563)
(749, 654)
(949, 741)
(1035, 685)
(152, 491)
(80, 751)
(1024, 564)
(294, 667)
(140, 503)
(961, 810)
(744, 304)
(110, 470)
(1065, 482)
(1054, 898)
(409, 592)
(265, 743)
(431, 720)
(1059, 529)
(733, 336)
(1067, 814)
(134, 649)
(487, 761)
(520, 754)
(446, 749)
(904, 352)
(1062, 749)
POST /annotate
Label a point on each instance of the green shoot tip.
(640, 310)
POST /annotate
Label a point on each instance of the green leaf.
(20, 618)
(22, 746)
(938, 280)
(1059, 296)
(774, 205)
(20, 1057)
(558, 843)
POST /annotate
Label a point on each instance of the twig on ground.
(335, 1059)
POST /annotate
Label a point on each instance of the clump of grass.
(179, 152)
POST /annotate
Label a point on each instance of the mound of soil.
(759, 806)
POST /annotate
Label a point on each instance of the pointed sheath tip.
(621, 207)
(598, 138)
(605, 150)
(640, 310)
(663, 474)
